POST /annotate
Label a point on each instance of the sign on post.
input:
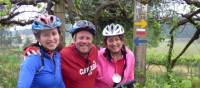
(1, 6)
(140, 40)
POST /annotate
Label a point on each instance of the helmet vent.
(51, 19)
(43, 20)
(117, 27)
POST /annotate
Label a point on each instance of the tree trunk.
(60, 12)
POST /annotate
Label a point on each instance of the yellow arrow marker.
(142, 23)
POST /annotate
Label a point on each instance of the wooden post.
(59, 10)
(140, 40)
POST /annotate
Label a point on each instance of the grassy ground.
(186, 73)
(175, 80)
(9, 67)
(158, 55)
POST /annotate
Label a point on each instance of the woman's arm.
(27, 71)
(131, 63)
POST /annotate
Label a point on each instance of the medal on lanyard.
(116, 78)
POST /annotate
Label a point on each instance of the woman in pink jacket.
(115, 63)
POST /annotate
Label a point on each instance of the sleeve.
(133, 66)
(64, 67)
(27, 71)
(99, 64)
(98, 70)
(62, 85)
(131, 76)
(31, 49)
(132, 63)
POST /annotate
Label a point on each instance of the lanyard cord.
(124, 67)
(42, 57)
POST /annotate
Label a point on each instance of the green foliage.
(195, 82)
(77, 3)
(173, 23)
(158, 55)
(5, 38)
(174, 20)
(178, 81)
(156, 58)
(160, 59)
(9, 67)
(5, 1)
(192, 8)
(190, 60)
(39, 5)
(6, 9)
(161, 81)
(154, 33)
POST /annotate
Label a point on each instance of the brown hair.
(120, 36)
(107, 51)
(108, 56)
(60, 45)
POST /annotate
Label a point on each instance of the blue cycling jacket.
(48, 77)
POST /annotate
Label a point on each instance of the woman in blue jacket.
(43, 71)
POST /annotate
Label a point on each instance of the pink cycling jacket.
(106, 70)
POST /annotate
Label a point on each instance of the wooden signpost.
(140, 40)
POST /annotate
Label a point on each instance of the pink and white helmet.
(44, 22)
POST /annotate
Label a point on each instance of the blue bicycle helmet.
(44, 22)
(83, 25)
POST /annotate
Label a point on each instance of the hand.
(128, 84)
(31, 50)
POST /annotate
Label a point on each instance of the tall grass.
(175, 81)
(157, 56)
(9, 68)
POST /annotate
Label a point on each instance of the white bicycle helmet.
(113, 29)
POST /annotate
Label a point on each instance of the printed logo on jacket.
(90, 68)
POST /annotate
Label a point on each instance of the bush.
(160, 58)
(171, 80)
